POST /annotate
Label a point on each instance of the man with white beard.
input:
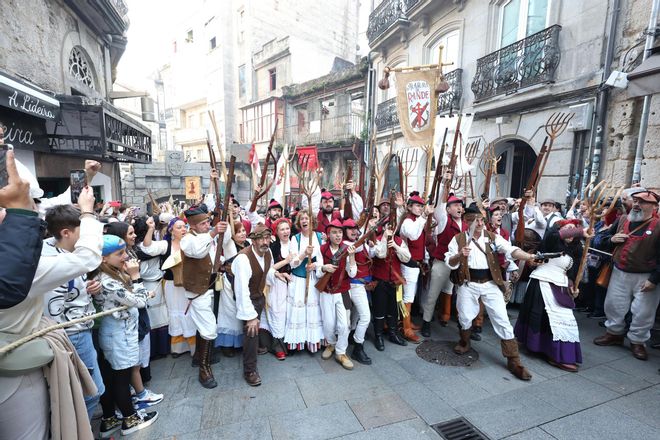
(635, 276)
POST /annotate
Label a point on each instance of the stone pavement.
(614, 396)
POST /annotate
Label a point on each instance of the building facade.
(57, 68)
(515, 63)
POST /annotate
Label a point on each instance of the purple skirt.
(533, 329)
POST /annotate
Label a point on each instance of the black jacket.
(21, 237)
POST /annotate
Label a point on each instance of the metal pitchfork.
(308, 181)
(597, 198)
(409, 159)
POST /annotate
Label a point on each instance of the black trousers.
(251, 343)
(383, 300)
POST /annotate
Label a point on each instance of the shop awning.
(94, 128)
(645, 79)
(21, 96)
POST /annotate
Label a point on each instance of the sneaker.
(138, 421)
(109, 426)
(146, 399)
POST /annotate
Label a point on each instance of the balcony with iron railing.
(527, 62)
(340, 129)
(387, 116)
(387, 15)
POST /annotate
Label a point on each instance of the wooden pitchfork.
(597, 198)
(471, 150)
(554, 127)
(381, 167)
(408, 158)
(308, 181)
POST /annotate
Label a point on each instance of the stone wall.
(168, 178)
(624, 113)
(36, 40)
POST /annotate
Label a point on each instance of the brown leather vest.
(196, 273)
(462, 274)
(257, 281)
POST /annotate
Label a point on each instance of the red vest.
(416, 247)
(339, 281)
(388, 268)
(638, 253)
(363, 264)
(443, 239)
(323, 222)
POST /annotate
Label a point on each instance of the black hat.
(196, 214)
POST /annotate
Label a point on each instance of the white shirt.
(242, 271)
(402, 252)
(534, 220)
(351, 269)
(477, 259)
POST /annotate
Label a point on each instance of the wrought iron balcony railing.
(386, 115)
(345, 128)
(386, 14)
(524, 63)
(451, 99)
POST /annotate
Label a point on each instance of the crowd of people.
(129, 288)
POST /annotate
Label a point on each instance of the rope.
(23, 340)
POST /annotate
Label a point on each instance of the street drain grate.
(442, 353)
(458, 429)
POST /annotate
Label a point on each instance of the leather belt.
(480, 276)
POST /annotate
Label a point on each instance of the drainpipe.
(603, 95)
(646, 107)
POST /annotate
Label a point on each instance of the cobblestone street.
(399, 396)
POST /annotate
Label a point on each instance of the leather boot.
(359, 355)
(195, 357)
(426, 329)
(379, 323)
(205, 373)
(510, 352)
(408, 332)
(463, 346)
(215, 355)
(394, 335)
(609, 339)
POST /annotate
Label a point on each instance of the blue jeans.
(82, 341)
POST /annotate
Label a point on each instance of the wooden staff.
(262, 190)
(596, 201)
(452, 160)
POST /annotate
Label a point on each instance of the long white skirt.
(303, 321)
(181, 324)
(157, 310)
(230, 329)
(273, 317)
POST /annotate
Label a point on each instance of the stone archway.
(515, 166)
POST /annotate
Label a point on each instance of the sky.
(149, 38)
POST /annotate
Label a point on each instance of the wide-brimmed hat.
(472, 212)
(260, 231)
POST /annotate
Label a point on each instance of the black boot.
(394, 335)
(379, 323)
(351, 341)
(359, 354)
(426, 329)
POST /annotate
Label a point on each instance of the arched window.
(80, 68)
(450, 42)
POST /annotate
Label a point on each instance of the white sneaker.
(148, 399)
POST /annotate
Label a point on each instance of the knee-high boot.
(408, 332)
(205, 372)
(510, 352)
